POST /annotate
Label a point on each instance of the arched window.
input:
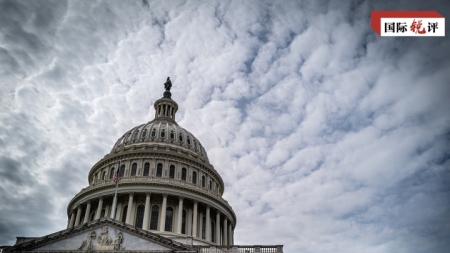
(128, 137)
(194, 177)
(172, 135)
(146, 169)
(213, 232)
(188, 141)
(169, 216)
(183, 174)
(124, 213)
(180, 138)
(172, 171)
(133, 169)
(111, 173)
(154, 132)
(144, 133)
(136, 134)
(183, 223)
(163, 133)
(204, 228)
(122, 170)
(155, 215)
(159, 170)
(139, 216)
(203, 181)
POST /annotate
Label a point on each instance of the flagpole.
(113, 212)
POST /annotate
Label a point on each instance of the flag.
(116, 177)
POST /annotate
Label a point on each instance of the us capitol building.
(169, 198)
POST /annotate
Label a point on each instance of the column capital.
(165, 195)
(148, 194)
(131, 193)
(195, 201)
(180, 198)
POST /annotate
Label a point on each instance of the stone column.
(225, 226)
(77, 219)
(146, 212)
(129, 208)
(72, 219)
(189, 222)
(180, 215)
(162, 222)
(87, 213)
(108, 209)
(218, 227)
(200, 225)
(194, 219)
(208, 223)
(119, 211)
(99, 209)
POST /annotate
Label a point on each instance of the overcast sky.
(329, 138)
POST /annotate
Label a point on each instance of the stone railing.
(242, 249)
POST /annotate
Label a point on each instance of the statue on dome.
(168, 84)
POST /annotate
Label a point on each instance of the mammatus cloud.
(328, 137)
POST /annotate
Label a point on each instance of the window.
(183, 223)
(146, 169)
(128, 137)
(124, 213)
(180, 138)
(163, 133)
(103, 175)
(172, 171)
(122, 171)
(169, 216)
(133, 169)
(194, 177)
(154, 221)
(136, 134)
(210, 185)
(195, 144)
(203, 181)
(144, 133)
(183, 174)
(159, 170)
(154, 132)
(111, 173)
(139, 216)
(188, 141)
(172, 135)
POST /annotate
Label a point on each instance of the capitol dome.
(167, 185)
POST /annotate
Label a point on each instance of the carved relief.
(104, 241)
(88, 243)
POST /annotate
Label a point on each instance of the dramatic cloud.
(329, 138)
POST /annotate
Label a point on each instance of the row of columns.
(227, 232)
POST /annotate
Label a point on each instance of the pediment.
(102, 235)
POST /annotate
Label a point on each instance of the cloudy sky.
(329, 138)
